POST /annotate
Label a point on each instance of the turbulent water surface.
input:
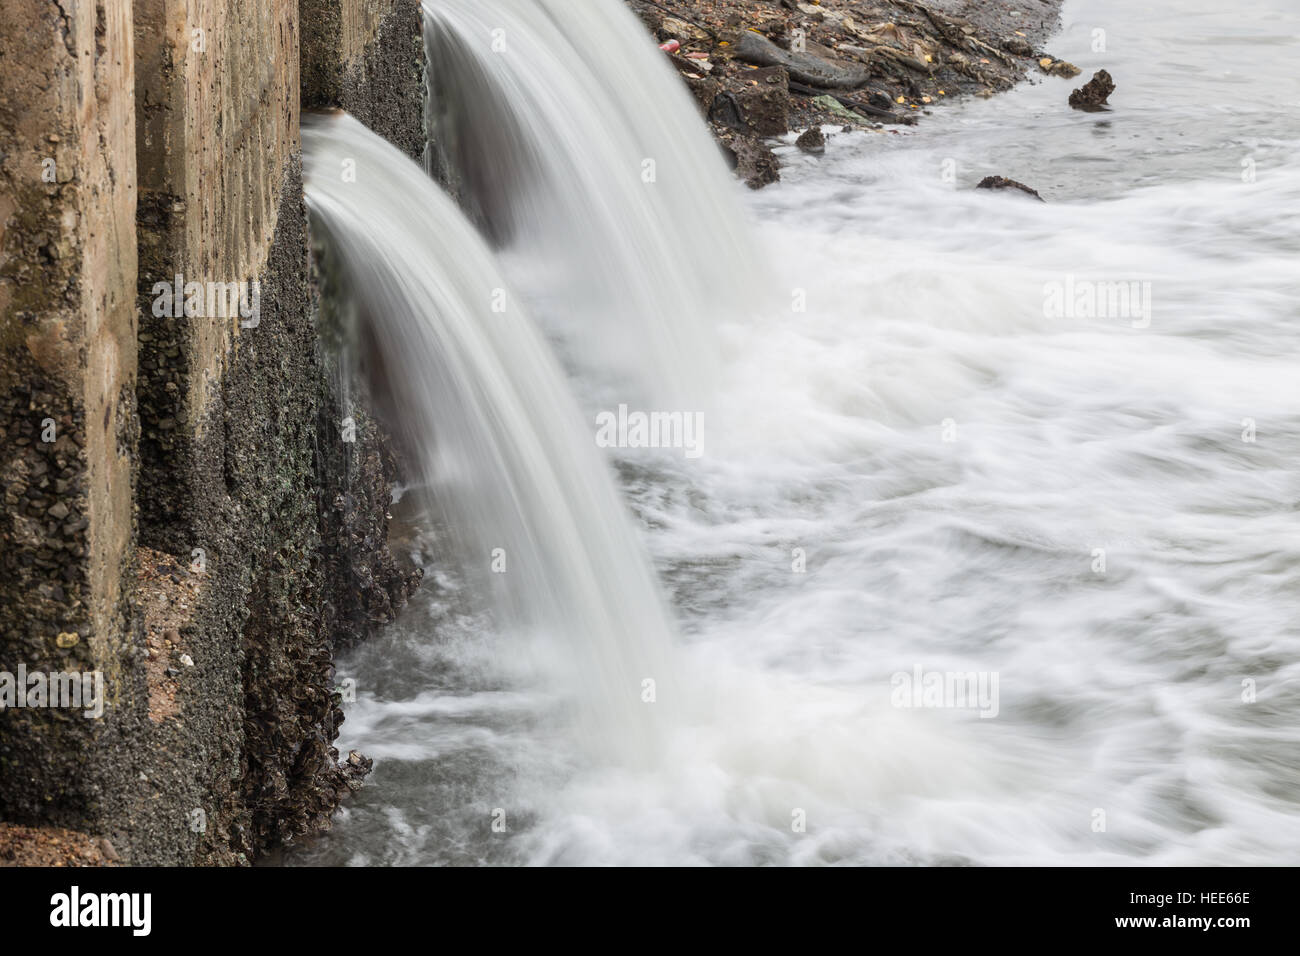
(945, 444)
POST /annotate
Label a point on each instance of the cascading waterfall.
(573, 145)
(513, 475)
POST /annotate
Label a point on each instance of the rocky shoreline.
(764, 68)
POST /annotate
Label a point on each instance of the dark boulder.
(751, 159)
(812, 140)
(1093, 94)
(804, 67)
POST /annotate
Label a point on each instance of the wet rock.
(750, 158)
(812, 140)
(760, 106)
(1092, 95)
(831, 105)
(359, 761)
(1001, 182)
(354, 770)
(804, 67)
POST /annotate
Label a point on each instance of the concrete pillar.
(67, 380)
(217, 93)
(181, 515)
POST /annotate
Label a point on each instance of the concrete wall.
(217, 89)
(335, 36)
(67, 378)
(367, 57)
(198, 529)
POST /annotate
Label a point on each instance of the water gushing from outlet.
(514, 478)
(579, 152)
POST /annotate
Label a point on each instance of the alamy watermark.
(635, 429)
(961, 690)
(1076, 298)
(129, 910)
(224, 300)
(72, 689)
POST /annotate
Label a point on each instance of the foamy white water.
(953, 459)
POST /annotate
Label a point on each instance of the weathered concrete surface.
(335, 34)
(67, 380)
(217, 94)
(210, 552)
(231, 750)
(245, 467)
(367, 57)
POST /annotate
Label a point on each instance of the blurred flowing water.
(572, 142)
(519, 496)
(1096, 505)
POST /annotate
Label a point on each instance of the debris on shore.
(760, 68)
